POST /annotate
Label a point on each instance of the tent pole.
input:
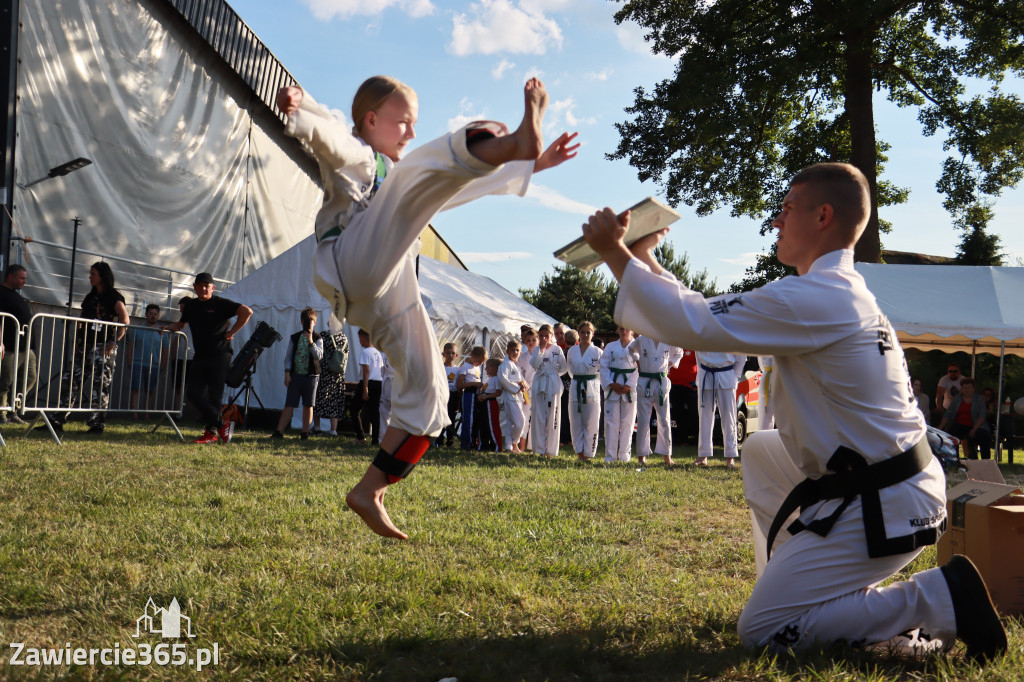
(999, 402)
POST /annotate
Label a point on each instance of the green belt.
(581, 389)
(333, 232)
(660, 376)
(616, 373)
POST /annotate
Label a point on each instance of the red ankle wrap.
(398, 465)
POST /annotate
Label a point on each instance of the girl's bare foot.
(367, 500)
(527, 142)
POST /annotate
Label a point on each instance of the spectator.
(148, 350)
(584, 361)
(513, 388)
(451, 371)
(528, 336)
(469, 382)
(182, 350)
(965, 419)
(13, 303)
(718, 378)
(619, 381)
(655, 361)
(948, 388)
(208, 318)
(301, 374)
(94, 356)
(330, 390)
(683, 397)
(549, 365)
(366, 409)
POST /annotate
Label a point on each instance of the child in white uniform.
(653, 389)
(513, 388)
(584, 360)
(529, 349)
(368, 232)
(717, 377)
(619, 381)
(549, 365)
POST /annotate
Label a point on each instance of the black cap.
(204, 278)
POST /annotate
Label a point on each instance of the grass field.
(517, 569)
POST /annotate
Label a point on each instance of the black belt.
(852, 476)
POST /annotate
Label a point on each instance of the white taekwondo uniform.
(584, 398)
(654, 360)
(511, 403)
(386, 384)
(840, 386)
(717, 378)
(765, 409)
(367, 269)
(527, 370)
(546, 398)
(618, 366)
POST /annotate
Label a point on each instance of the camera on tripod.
(263, 337)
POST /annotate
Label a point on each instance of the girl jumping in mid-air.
(368, 233)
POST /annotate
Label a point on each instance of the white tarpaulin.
(189, 170)
(465, 308)
(951, 307)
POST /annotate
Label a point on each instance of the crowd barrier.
(67, 365)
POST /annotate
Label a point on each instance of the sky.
(468, 60)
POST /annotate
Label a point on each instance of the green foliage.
(665, 254)
(764, 89)
(571, 295)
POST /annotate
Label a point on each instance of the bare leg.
(286, 417)
(307, 418)
(527, 142)
(367, 497)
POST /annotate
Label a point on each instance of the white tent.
(951, 307)
(466, 309)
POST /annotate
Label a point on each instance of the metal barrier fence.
(96, 368)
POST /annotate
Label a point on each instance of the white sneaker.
(332, 433)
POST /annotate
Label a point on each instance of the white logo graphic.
(164, 622)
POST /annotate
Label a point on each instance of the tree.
(764, 89)
(571, 295)
(977, 246)
(665, 254)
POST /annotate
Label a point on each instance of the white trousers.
(375, 257)
(619, 418)
(645, 405)
(584, 420)
(512, 422)
(725, 400)
(527, 421)
(815, 590)
(545, 422)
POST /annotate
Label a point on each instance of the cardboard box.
(986, 523)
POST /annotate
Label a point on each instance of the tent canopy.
(465, 308)
(951, 308)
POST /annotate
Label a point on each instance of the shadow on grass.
(605, 654)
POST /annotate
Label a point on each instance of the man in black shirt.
(13, 303)
(208, 317)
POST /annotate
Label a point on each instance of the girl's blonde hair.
(374, 92)
(512, 344)
(586, 324)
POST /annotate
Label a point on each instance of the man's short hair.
(844, 188)
(13, 269)
(363, 332)
(494, 363)
(183, 300)
(152, 306)
(478, 352)
(448, 346)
